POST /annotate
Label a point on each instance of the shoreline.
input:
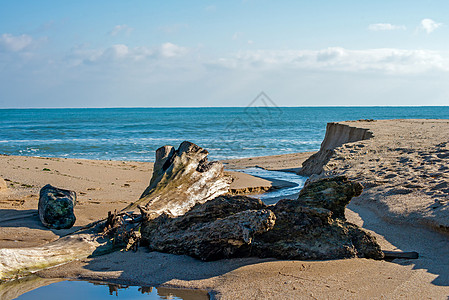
(379, 210)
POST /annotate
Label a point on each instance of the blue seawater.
(135, 133)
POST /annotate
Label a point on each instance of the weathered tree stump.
(182, 178)
(56, 207)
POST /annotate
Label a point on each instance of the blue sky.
(210, 53)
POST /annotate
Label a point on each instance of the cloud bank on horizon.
(138, 53)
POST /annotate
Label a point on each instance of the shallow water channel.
(292, 182)
(48, 289)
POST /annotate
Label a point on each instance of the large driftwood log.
(311, 227)
(182, 178)
(101, 237)
(19, 262)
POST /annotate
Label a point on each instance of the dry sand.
(411, 150)
(404, 168)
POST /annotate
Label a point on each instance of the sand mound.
(404, 167)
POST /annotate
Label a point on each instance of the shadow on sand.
(28, 219)
(432, 246)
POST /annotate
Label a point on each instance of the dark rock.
(56, 207)
(311, 227)
(216, 229)
(330, 193)
(314, 227)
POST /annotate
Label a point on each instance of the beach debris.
(216, 229)
(400, 254)
(310, 227)
(115, 232)
(18, 262)
(56, 207)
(182, 178)
(122, 229)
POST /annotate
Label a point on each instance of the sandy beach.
(403, 165)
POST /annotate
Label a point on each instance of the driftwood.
(15, 263)
(182, 178)
(311, 227)
(400, 254)
(104, 236)
(182, 212)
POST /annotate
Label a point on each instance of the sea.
(133, 134)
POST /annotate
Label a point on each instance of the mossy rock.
(56, 207)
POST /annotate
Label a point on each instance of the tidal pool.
(52, 289)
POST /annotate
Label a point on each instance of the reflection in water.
(145, 289)
(114, 288)
(14, 288)
(95, 290)
(271, 197)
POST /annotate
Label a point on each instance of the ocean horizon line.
(199, 107)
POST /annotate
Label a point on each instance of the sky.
(109, 53)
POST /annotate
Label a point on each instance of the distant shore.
(405, 204)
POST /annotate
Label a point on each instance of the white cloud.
(385, 27)
(116, 51)
(121, 29)
(121, 52)
(386, 60)
(166, 72)
(171, 50)
(430, 25)
(11, 43)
